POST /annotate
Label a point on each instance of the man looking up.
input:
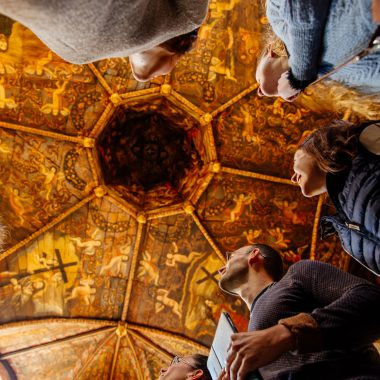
(316, 322)
(154, 33)
(192, 367)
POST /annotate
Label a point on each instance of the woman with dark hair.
(344, 160)
(182, 368)
(319, 36)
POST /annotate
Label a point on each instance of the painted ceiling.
(121, 198)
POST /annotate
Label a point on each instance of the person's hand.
(285, 90)
(222, 375)
(249, 351)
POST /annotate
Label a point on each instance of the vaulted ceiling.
(121, 198)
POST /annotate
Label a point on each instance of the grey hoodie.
(83, 31)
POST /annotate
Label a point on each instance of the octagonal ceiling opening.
(152, 153)
(145, 150)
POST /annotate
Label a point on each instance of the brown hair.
(333, 147)
(181, 44)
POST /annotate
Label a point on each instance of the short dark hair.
(273, 264)
(200, 362)
(181, 44)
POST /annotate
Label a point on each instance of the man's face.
(268, 73)
(235, 273)
(151, 63)
(179, 369)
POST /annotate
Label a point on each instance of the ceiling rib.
(94, 171)
(208, 237)
(42, 230)
(195, 198)
(42, 321)
(114, 359)
(139, 370)
(139, 93)
(210, 142)
(314, 234)
(179, 100)
(149, 343)
(245, 173)
(100, 78)
(132, 270)
(235, 99)
(79, 336)
(164, 212)
(41, 132)
(146, 330)
(120, 203)
(103, 342)
(103, 120)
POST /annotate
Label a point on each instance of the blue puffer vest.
(356, 196)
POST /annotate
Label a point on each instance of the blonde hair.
(328, 95)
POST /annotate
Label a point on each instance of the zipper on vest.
(352, 226)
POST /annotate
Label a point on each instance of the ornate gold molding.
(103, 121)
(47, 227)
(146, 330)
(314, 234)
(132, 270)
(100, 78)
(246, 173)
(100, 345)
(139, 370)
(208, 237)
(41, 132)
(235, 99)
(114, 359)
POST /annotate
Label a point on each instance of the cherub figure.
(56, 107)
(217, 8)
(90, 245)
(173, 257)
(148, 268)
(240, 202)
(251, 235)
(16, 201)
(163, 300)
(118, 264)
(288, 210)
(38, 66)
(278, 235)
(83, 292)
(217, 66)
(4, 101)
(3, 147)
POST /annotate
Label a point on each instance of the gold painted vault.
(121, 198)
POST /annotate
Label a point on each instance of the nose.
(294, 178)
(162, 371)
(222, 270)
(260, 92)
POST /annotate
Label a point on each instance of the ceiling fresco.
(121, 198)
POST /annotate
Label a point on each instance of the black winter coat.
(356, 196)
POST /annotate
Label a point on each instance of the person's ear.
(271, 53)
(197, 374)
(254, 256)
